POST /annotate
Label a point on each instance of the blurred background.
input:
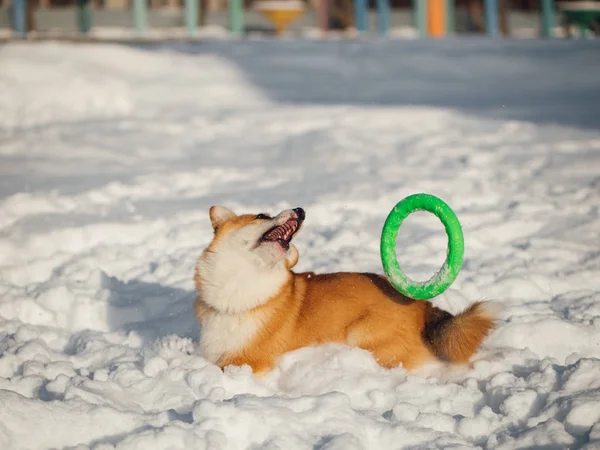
(192, 18)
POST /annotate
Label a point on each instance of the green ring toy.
(454, 255)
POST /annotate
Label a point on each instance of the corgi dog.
(252, 307)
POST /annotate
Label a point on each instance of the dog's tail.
(457, 338)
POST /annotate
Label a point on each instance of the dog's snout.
(300, 213)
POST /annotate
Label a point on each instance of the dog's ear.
(219, 215)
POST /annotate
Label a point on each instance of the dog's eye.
(263, 217)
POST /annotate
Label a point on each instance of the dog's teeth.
(283, 231)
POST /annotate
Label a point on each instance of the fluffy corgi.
(252, 307)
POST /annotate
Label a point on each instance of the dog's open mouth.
(282, 234)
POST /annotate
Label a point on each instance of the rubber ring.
(454, 252)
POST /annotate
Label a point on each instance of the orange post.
(436, 18)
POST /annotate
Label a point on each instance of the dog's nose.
(300, 212)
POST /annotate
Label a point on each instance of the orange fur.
(357, 309)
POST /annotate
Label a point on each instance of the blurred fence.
(164, 19)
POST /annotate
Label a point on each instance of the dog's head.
(259, 238)
(249, 257)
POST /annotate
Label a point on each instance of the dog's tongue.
(283, 232)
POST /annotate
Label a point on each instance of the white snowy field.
(111, 155)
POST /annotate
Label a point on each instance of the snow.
(110, 157)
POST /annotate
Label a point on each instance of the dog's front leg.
(259, 367)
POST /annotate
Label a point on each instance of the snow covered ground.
(110, 157)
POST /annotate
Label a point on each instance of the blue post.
(491, 17)
(84, 16)
(191, 16)
(548, 19)
(420, 16)
(236, 17)
(450, 17)
(383, 16)
(360, 12)
(139, 15)
(19, 17)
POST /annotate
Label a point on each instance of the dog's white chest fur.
(235, 281)
(223, 334)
